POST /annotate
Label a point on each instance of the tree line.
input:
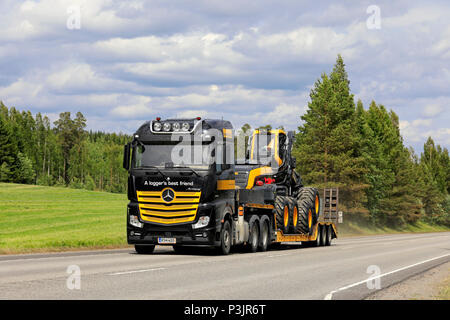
(340, 143)
(34, 151)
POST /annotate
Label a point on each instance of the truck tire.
(316, 243)
(144, 249)
(225, 238)
(323, 235)
(253, 240)
(283, 213)
(329, 235)
(310, 195)
(264, 236)
(293, 228)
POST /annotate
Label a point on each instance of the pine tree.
(326, 146)
(8, 151)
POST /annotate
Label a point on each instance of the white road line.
(58, 256)
(330, 295)
(136, 271)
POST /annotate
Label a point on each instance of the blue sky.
(246, 61)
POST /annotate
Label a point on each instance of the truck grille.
(153, 208)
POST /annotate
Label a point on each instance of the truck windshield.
(176, 155)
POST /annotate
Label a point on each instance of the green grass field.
(42, 219)
(37, 218)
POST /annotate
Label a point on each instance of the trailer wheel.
(264, 236)
(323, 235)
(225, 238)
(316, 243)
(283, 213)
(328, 235)
(144, 249)
(253, 240)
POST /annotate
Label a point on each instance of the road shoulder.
(429, 285)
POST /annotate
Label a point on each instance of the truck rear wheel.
(264, 236)
(144, 249)
(253, 240)
(283, 213)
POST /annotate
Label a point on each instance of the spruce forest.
(339, 143)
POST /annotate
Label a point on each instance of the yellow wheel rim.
(310, 218)
(295, 216)
(316, 205)
(286, 216)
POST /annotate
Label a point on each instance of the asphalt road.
(292, 272)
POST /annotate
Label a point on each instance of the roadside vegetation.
(444, 289)
(38, 218)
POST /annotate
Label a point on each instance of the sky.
(124, 62)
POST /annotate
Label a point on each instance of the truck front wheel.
(225, 238)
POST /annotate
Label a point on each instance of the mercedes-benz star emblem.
(168, 195)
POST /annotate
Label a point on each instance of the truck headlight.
(134, 221)
(157, 126)
(202, 222)
(176, 126)
(185, 126)
(167, 126)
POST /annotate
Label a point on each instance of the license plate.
(167, 240)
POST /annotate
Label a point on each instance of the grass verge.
(359, 228)
(39, 219)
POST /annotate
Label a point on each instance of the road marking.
(136, 271)
(329, 296)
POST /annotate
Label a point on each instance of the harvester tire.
(305, 215)
(311, 196)
(294, 216)
(282, 205)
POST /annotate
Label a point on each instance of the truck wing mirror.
(126, 156)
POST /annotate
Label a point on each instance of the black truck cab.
(181, 183)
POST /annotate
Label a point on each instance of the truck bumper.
(184, 235)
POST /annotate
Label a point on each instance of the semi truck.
(187, 188)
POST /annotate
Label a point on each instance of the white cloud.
(432, 110)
